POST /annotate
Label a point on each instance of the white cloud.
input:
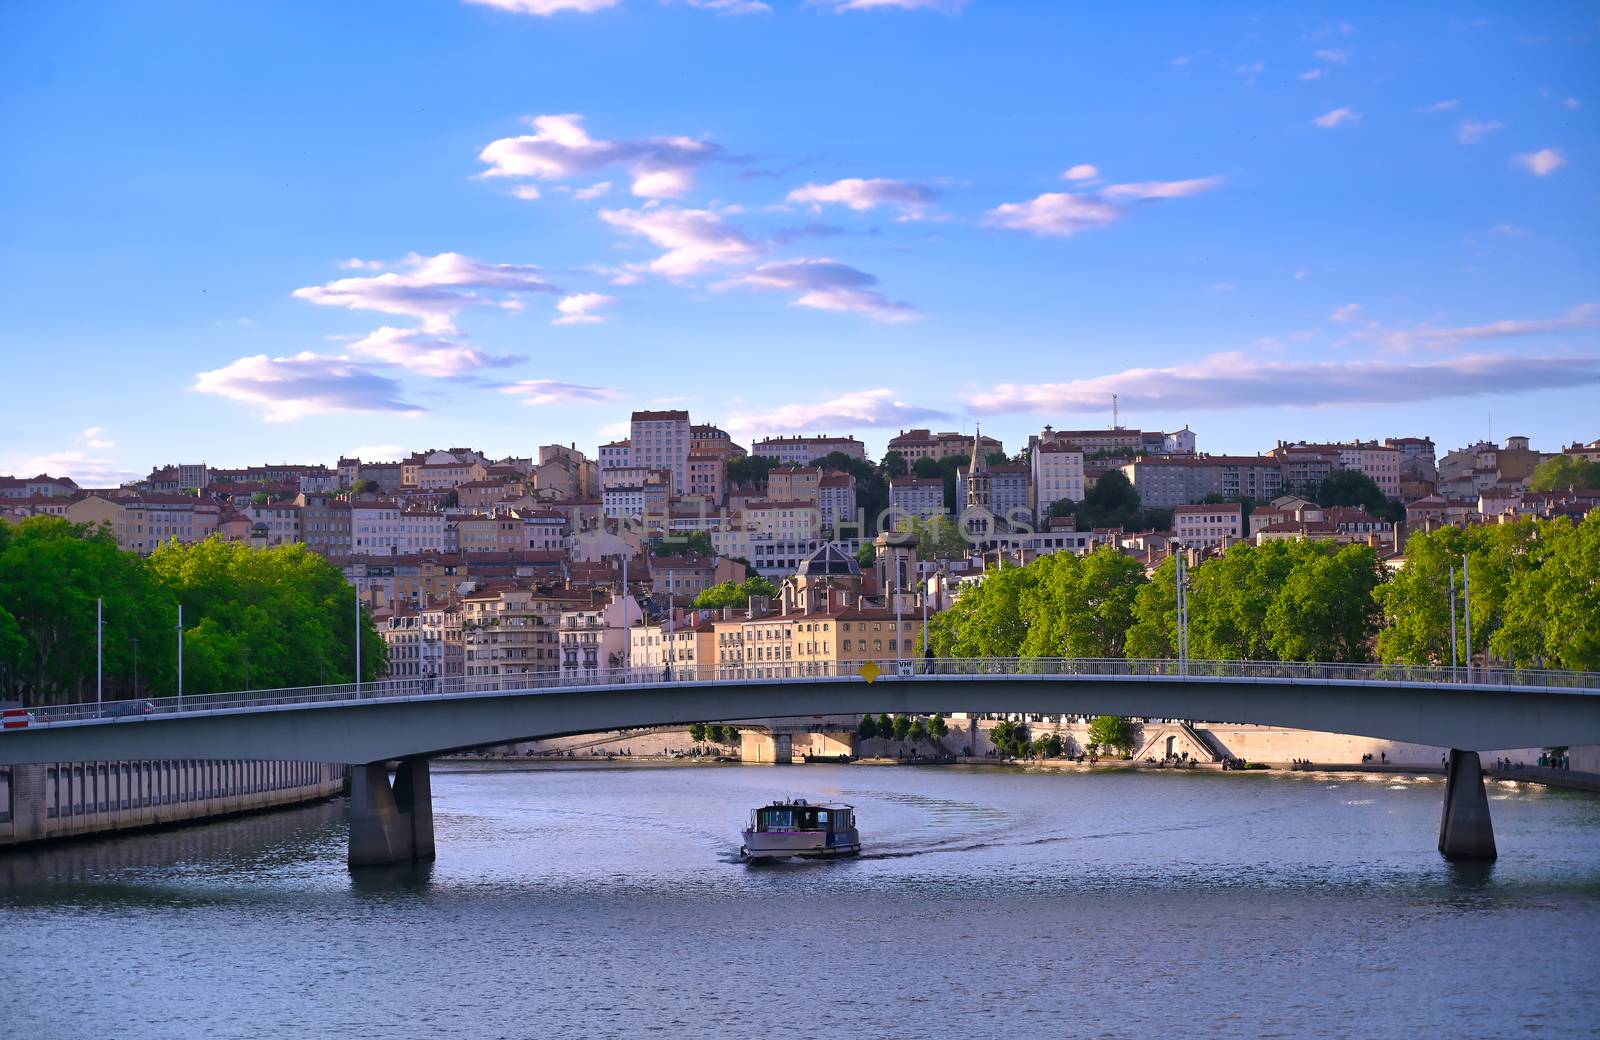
(1349, 312)
(529, 192)
(1471, 131)
(378, 453)
(1440, 106)
(731, 6)
(440, 354)
(1541, 163)
(547, 7)
(949, 6)
(593, 191)
(94, 437)
(1145, 190)
(289, 388)
(86, 469)
(551, 392)
(827, 285)
(355, 263)
(863, 195)
(1081, 172)
(433, 288)
(1067, 213)
(1333, 55)
(1311, 74)
(1329, 120)
(1054, 213)
(1233, 380)
(575, 309)
(694, 239)
(662, 167)
(877, 407)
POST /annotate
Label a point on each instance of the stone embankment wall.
(65, 799)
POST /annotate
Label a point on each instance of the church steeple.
(979, 495)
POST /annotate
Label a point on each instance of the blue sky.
(251, 232)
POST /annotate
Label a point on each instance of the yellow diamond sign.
(870, 671)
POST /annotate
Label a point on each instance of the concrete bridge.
(413, 721)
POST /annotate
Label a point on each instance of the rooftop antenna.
(1116, 423)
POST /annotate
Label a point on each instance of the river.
(593, 900)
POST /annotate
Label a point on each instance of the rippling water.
(609, 901)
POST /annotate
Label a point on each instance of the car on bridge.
(123, 709)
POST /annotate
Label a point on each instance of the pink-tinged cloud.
(288, 388)
(552, 392)
(427, 353)
(1230, 381)
(1337, 117)
(545, 8)
(694, 239)
(432, 288)
(861, 195)
(1541, 163)
(1067, 213)
(827, 285)
(579, 308)
(561, 149)
(876, 407)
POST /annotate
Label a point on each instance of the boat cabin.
(799, 815)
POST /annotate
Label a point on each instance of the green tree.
(1010, 738)
(716, 734)
(1325, 610)
(264, 618)
(894, 465)
(735, 594)
(1111, 731)
(1049, 746)
(987, 621)
(1351, 487)
(1551, 617)
(1155, 616)
(885, 726)
(919, 731)
(1565, 471)
(1079, 606)
(51, 574)
(695, 543)
(866, 556)
(938, 538)
(867, 728)
(697, 732)
(937, 727)
(1112, 502)
(902, 727)
(749, 471)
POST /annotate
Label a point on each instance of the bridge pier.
(1465, 831)
(391, 824)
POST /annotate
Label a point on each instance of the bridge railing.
(911, 669)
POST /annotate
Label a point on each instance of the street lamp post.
(180, 656)
(1453, 657)
(358, 638)
(1466, 591)
(99, 651)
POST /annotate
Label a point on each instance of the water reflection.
(393, 879)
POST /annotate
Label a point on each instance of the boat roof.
(801, 803)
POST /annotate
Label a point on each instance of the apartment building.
(917, 496)
(836, 501)
(912, 445)
(794, 483)
(1208, 526)
(374, 527)
(511, 630)
(708, 476)
(1010, 496)
(802, 451)
(1056, 473)
(660, 440)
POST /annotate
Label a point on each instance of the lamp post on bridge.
(1453, 657)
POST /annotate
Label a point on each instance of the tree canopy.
(1563, 472)
(252, 617)
(735, 594)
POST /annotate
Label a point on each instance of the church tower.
(979, 493)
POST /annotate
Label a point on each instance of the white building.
(374, 527)
(917, 496)
(421, 530)
(1056, 473)
(836, 500)
(660, 440)
(1209, 524)
(802, 451)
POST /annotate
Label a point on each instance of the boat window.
(822, 819)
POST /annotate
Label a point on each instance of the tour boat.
(823, 830)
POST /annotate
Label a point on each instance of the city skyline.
(511, 222)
